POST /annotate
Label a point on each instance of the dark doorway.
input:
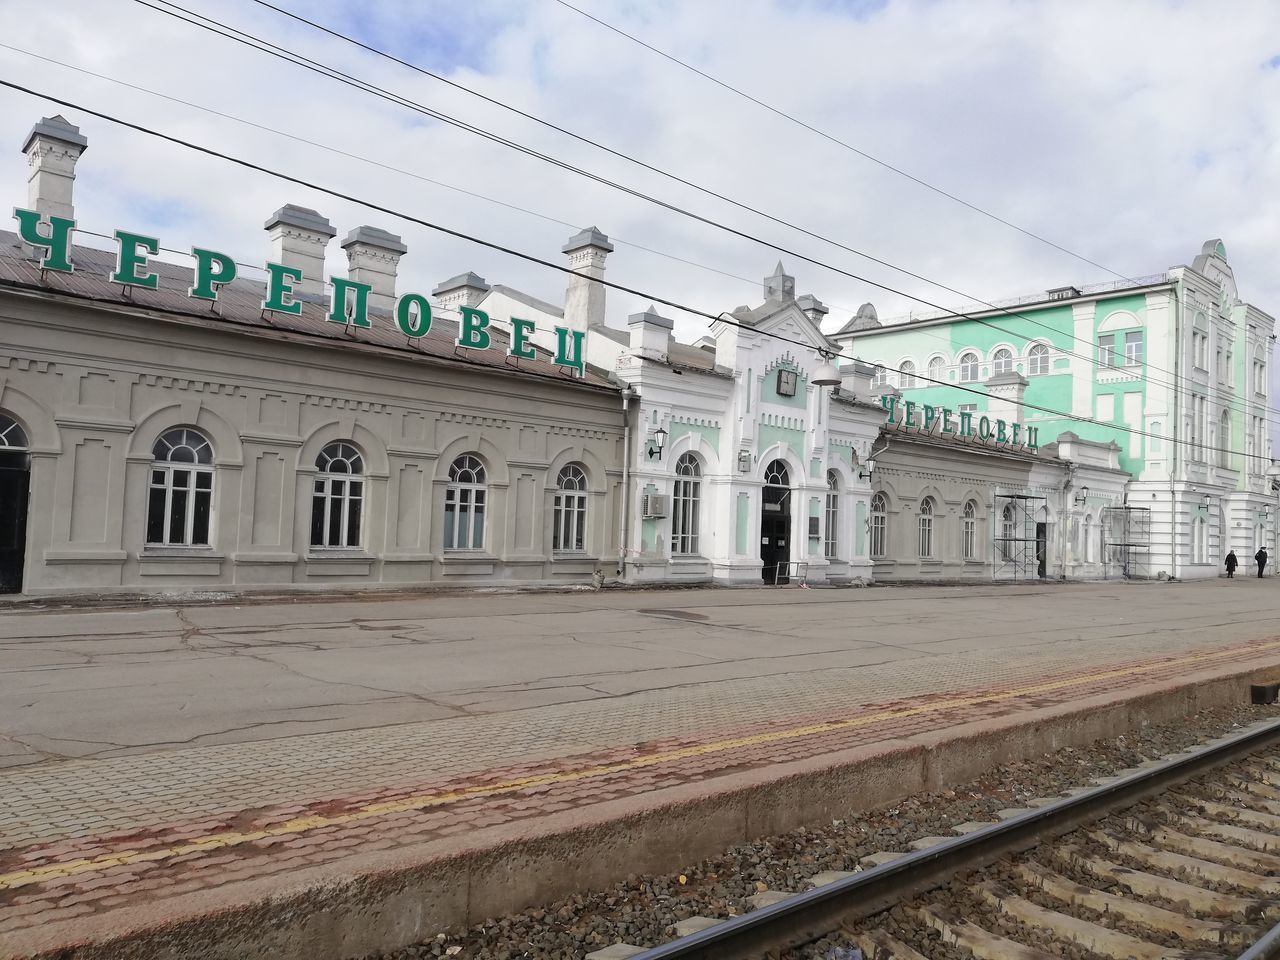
(1042, 550)
(775, 524)
(14, 473)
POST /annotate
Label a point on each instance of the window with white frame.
(1007, 531)
(465, 499)
(1259, 375)
(12, 436)
(968, 367)
(926, 528)
(1086, 547)
(1224, 440)
(937, 368)
(907, 375)
(1038, 360)
(1002, 361)
(1107, 350)
(1200, 349)
(685, 505)
(831, 530)
(879, 524)
(180, 495)
(1200, 541)
(1133, 348)
(569, 519)
(880, 378)
(1229, 373)
(969, 530)
(967, 408)
(337, 498)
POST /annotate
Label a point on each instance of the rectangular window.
(1133, 348)
(830, 542)
(967, 408)
(878, 526)
(926, 537)
(970, 538)
(1107, 350)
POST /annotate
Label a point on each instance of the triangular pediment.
(786, 319)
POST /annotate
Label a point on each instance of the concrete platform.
(329, 779)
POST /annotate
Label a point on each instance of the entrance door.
(775, 524)
(1042, 550)
(14, 471)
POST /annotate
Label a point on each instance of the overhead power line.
(265, 46)
(560, 268)
(836, 140)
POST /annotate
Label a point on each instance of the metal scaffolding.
(1020, 547)
(1126, 543)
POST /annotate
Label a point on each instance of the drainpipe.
(1177, 430)
(627, 394)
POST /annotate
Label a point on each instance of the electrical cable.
(560, 268)
(283, 53)
(836, 140)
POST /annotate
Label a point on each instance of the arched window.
(937, 368)
(969, 530)
(685, 504)
(337, 498)
(12, 436)
(926, 528)
(969, 367)
(180, 498)
(1224, 440)
(879, 524)
(880, 377)
(907, 378)
(1006, 532)
(1002, 362)
(831, 531)
(464, 504)
(569, 529)
(1038, 360)
(777, 475)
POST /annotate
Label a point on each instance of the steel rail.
(808, 916)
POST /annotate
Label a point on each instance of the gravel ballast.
(642, 909)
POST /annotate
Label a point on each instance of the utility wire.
(265, 46)
(560, 268)
(836, 140)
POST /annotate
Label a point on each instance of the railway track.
(1177, 859)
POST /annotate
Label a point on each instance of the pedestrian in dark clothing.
(1232, 563)
(1261, 557)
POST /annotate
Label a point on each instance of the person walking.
(1232, 563)
(1261, 557)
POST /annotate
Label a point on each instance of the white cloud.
(1127, 132)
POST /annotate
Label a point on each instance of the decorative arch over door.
(775, 523)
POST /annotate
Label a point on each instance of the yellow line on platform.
(215, 841)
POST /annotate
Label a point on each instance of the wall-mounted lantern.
(656, 444)
(866, 474)
(744, 461)
(1083, 495)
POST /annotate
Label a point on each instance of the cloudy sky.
(1125, 131)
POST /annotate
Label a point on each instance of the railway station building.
(179, 427)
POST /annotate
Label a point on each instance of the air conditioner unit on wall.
(653, 505)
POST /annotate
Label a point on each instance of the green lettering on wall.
(1032, 443)
(213, 269)
(909, 417)
(890, 403)
(413, 323)
(569, 348)
(520, 346)
(930, 415)
(946, 420)
(353, 295)
(966, 423)
(1014, 438)
(1001, 436)
(131, 260)
(984, 428)
(56, 245)
(473, 332)
(280, 281)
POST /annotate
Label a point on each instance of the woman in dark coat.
(1232, 563)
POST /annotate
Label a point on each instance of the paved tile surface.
(158, 752)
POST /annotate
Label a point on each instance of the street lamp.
(1083, 495)
(866, 474)
(827, 374)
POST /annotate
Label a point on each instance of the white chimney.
(373, 255)
(650, 334)
(464, 290)
(813, 308)
(52, 147)
(584, 299)
(299, 236)
(1006, 391)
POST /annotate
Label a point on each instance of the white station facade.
(168, 427)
